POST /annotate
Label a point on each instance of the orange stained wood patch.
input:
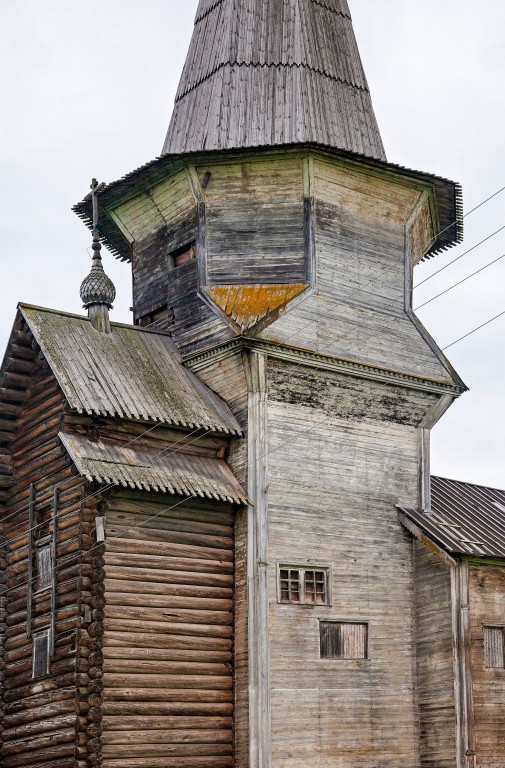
(248, 304)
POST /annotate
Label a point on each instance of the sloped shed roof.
(271, 72)
(149, 469)
(466, 519)
(131, 373)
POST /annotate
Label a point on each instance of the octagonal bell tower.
(277, 246)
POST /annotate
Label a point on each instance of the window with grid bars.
(304, 585)
(494, 647)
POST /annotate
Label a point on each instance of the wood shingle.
(273, 72)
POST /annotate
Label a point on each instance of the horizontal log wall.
(435, 660)
(41, 716)
(168, 635)
(487, 608)
(227, 377)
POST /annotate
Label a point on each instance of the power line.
(488, 322)
(297, 332)
(477, 272)
(460, 256)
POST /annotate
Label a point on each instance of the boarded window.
(344, 640)
(304, 586)
(494, 647)
(44, 561)
(41, 650)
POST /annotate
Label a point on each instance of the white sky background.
(86, 89)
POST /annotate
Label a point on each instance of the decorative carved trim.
(322, 362)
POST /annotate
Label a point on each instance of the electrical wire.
(460, 256)
(488, 322)
(460, 282)
(184, 439)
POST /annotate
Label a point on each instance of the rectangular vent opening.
(41, 652)
(494, 647)
(344, 640)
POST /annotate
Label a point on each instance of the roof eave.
(448, 193)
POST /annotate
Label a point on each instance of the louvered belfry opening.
(270, 72)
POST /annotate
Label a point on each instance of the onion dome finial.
(97, 289)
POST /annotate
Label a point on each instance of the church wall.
(333, 484)
(168, 633)
(358, 308)
(42, 714)
(487, 610)
(435, 661)
(255, 221)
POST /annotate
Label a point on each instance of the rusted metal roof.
(149, 469)
(131, 373)
(466, 519)
(448, 193)
(271, 72)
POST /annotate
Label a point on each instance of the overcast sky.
(87, 90)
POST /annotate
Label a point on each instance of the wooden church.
(220, 543)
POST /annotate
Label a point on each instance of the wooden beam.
(257, 557)
(31, 520)
(418, 533)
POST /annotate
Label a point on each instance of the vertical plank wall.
(335, 477)
(434, 633)
(168, 683)
(487, 607)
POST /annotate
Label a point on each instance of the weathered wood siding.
(487, 608)
(334, 482)
(358, 309)
(43, 723)
(435, 661)
(255, 222)
(167, 648)
(158, 222)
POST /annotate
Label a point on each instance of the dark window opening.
(160, 318)
(494, 647)
(183, 255)
(344, 640)
(304, 586)
(41, 651)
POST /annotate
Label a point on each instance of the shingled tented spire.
(273, 72)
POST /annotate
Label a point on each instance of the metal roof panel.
(465, 519)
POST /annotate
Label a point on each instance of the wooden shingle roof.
(273, 72)
(149, 469)
(131, 373)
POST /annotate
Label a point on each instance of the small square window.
(344, 640)
(41, 650)
(44, 565)
(494, 647)
(304, 585)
